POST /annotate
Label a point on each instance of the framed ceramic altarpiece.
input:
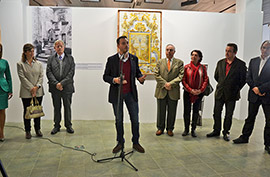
(143, 29)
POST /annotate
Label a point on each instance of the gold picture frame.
(143, 29)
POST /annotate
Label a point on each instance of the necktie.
(60, 61)
(169, 64)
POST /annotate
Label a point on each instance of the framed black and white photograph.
(51, 24)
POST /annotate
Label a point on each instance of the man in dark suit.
(60, 72)
(111, 75)
(230, 75)
(258, 79)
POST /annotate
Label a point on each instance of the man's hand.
(262, 94)
(142, 79)
(168, 86)
(117, 80)
(256, 90)
(59, 86)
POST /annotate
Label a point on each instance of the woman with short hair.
(194, 81)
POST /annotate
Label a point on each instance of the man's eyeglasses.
(171, 50)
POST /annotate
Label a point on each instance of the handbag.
(34, 110)
(208, 90)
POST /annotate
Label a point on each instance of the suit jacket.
(261, 81)
(174, 77)
(112, 70)
(5, 76)
(228, 87)
(53, 73)
(30, 76)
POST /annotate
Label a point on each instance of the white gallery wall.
(94, 31)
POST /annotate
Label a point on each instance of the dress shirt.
(124, 59)
(262, 63)
(60, 61)
(228, 66)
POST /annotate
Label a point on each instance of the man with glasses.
(168, 73)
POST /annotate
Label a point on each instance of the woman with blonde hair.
(5, 91)
(30, 72)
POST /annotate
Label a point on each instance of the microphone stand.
(122, 154)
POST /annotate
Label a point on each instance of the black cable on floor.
(91, 154)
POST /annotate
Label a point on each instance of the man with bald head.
(168, 73)
(60, 72)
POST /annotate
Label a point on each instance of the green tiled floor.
(165, 156)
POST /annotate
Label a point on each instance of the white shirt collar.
(170, 60)
(124, 59)
(266, 58)
(63, 55)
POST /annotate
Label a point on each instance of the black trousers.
(163, 105)
(27, 122)
(229, 109)
(187, 111)
(57, 104)
(253, 109)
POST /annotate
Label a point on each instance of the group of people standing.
(231, 75)
(60, 71)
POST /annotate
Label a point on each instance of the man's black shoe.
(267, 148)
(240, 140)
(226, 137)
(55, 130)
(213, 134)
(70, 130)
(185, 133)
(117, 148)
(193, 134)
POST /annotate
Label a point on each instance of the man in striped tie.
(60, 72)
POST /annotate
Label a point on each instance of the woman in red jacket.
(194, 81)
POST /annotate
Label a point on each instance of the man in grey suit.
(169, 73)
(258, 79)
(60, 72)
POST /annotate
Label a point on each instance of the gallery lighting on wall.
(128, 1)
(189, 2)
(90, 0)
(154, 1)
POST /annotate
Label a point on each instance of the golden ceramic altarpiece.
(143, 29)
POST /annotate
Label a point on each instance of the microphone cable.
(68, 147)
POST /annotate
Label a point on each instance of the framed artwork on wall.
(143, 29)
(51, 24)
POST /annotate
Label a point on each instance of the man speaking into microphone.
(129, 93)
